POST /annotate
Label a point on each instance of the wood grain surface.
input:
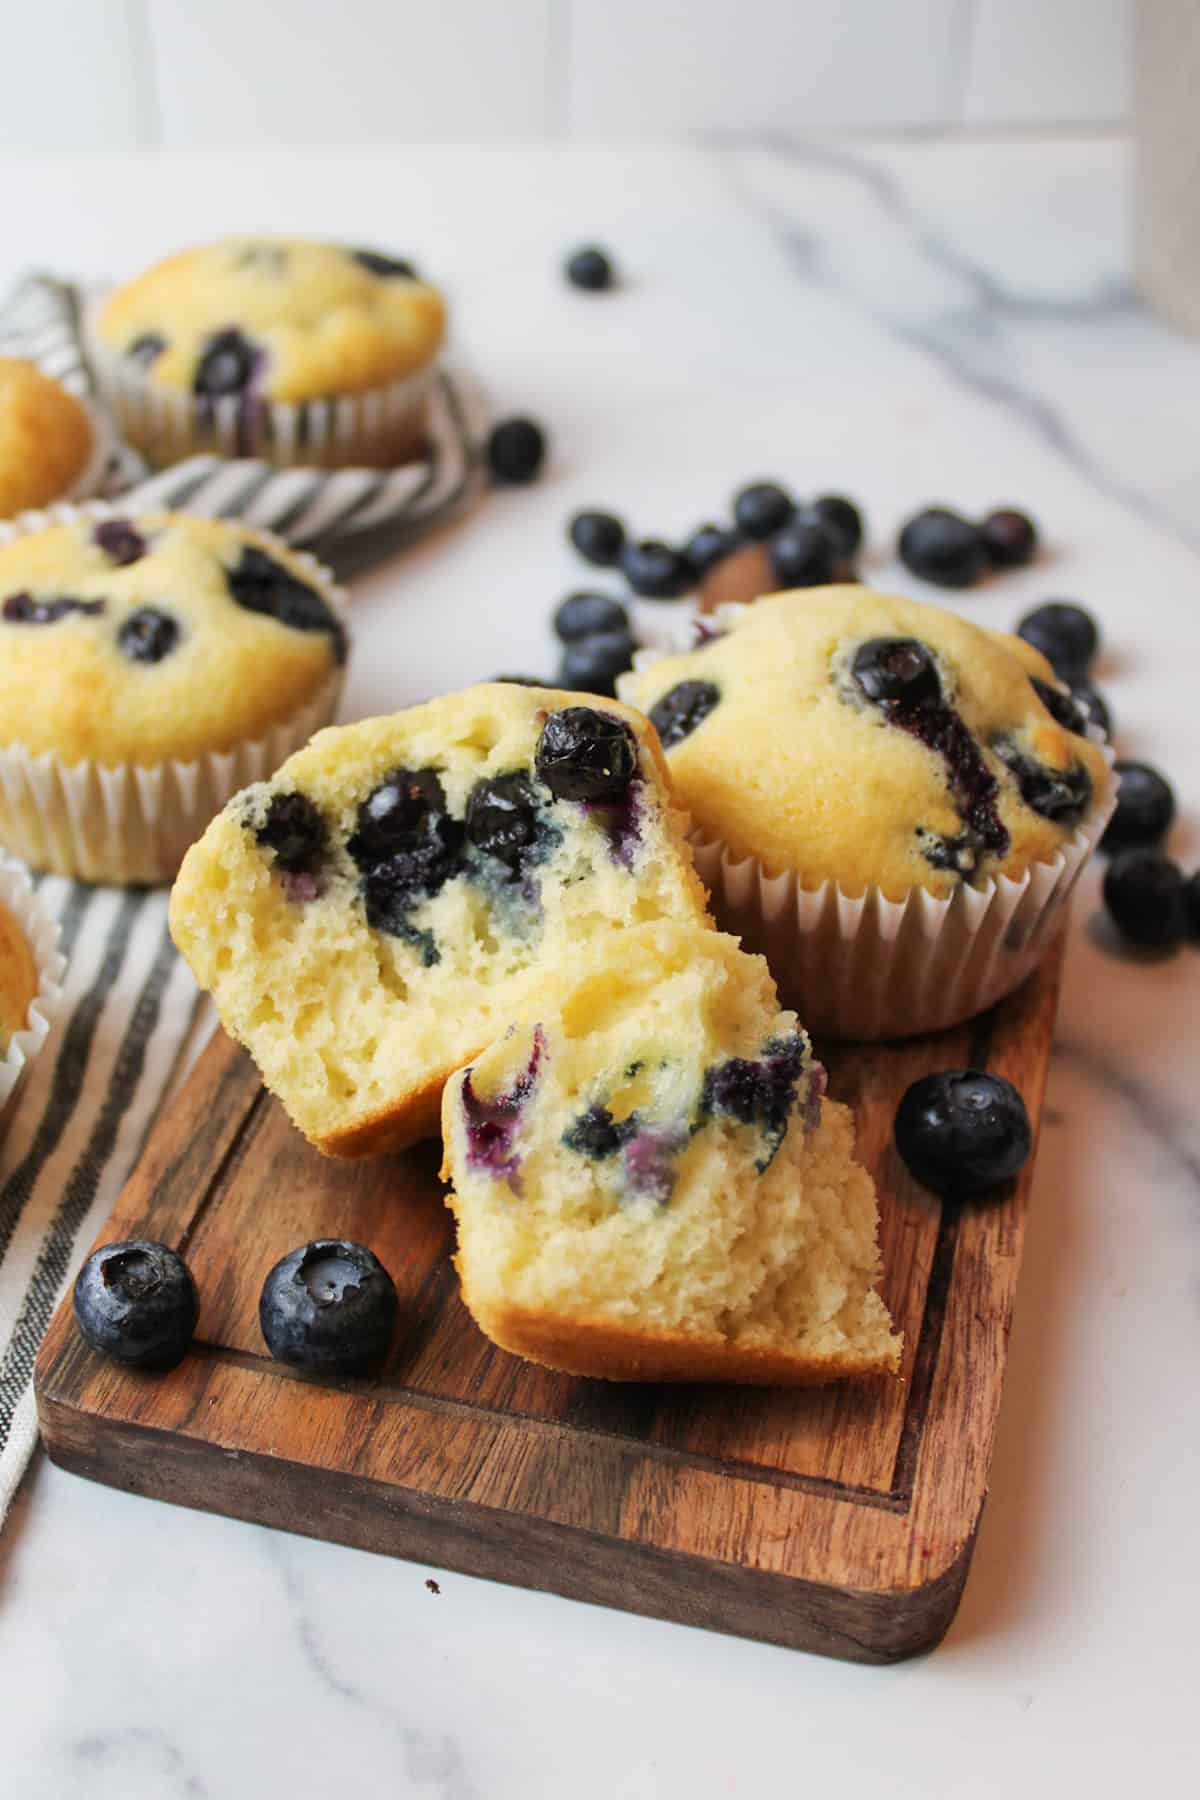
(839, 1519)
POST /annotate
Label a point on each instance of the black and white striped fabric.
(131, 1017)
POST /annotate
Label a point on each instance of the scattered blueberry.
(1093, 704)
(1061, 704)
(136, 1301)
(148, 635)
(1145, 894)
(582, 614)
(762, 509)
(654, 570)
(597, 1135)
(681, 709)
(146, 348)
(841, 522)
(1066, 635)
(1191, 904)
(803, 555)
(406, 847)
(262, 585)
(593, 663)
(120, 542)
(585, 754)
(599, 537)
(516, 450)
(1145, 808)
(492, 1124)
(227, 365)
(376, 263)
(707, 546)
(295, 830)
(962, 1131)
(942, 547)
(23, 609)
(501, 817)
(406, 803)
(760, 1093)
(1059, 794)
(897, 671)
(329, 1306)
(591, 268)
(1009, 537)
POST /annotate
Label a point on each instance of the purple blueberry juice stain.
(492, 1124)
(620, 821)
(650, 1161)
(818, 1084)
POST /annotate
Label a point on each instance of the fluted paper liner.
(865, 968)
(41, 934)
(376, 428)
(130, 823)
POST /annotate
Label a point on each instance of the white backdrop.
(123, 73)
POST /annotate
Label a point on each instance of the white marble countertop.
(908, 321)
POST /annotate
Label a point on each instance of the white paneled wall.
(121, 73)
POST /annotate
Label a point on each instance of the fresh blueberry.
(1145, 894)
(943, 547)
(136, 1301)
(1191, 904)
(296, 832)
(707, 546)
(681, 709)
(492, 1125)
(580, 615)
(376, 263)
(897, 672)
(802, 555)
(261, 585)
(120, 542)
(23, 609)
(406, 804)
(1059, 794)
(599, 537)
(1093, 705)
(1066, 635)
(591, 664)
(146, 349)
(585, 754)
(760, 1093)
(961, 1131)
(1009, 537)
(502, 817)
(1061, 704)
(227, 365)
(597, 1135)
(841, 522)
(762, 509)
(591, 268)
(148, 635)
(1145, 808)
(329, 1306)
(516, 450)
(654, 570)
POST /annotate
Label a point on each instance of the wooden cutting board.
(839, 1520)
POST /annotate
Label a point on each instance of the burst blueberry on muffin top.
(276, 318)
(862, 738)
(137, 640)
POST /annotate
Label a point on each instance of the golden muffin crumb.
(18, 978)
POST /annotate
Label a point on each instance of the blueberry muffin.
(649, 1184)
(46, 438)
(144, 663)
(373, 916)
(298, 352)
(31, 971)
(18, 978)
(844, 752)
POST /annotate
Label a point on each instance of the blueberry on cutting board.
(962, 1131)
(136, 1302)
(329, 1306)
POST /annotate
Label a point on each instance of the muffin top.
(45, 437)
(864, 739)
(139, 640)
(284, 319)
(18, 978)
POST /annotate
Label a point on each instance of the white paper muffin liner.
(130, 823)
(377, 428)
(863, 968)
(41, 933)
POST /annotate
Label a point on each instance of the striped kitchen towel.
(131, 1015)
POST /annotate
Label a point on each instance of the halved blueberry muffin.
(373, 916)
(299, 352)
(145, 665)
(649, 1184)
